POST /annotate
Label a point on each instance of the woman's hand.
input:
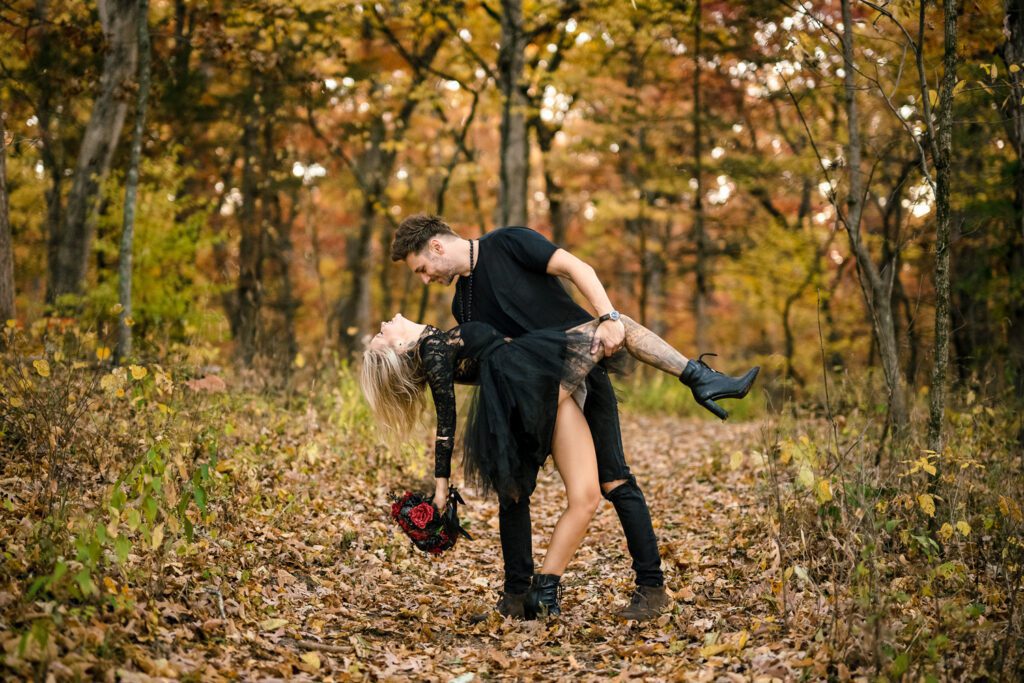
(441, 494)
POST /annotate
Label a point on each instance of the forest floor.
(306, 578)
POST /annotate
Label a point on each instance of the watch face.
(614, 315)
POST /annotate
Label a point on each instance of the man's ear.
(436, 246)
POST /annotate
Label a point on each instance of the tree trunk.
(1013, 118)
(6, 247)
(49, 151)
(249, 291)
(877, 291)
(937, 402)
(354, 310)
(700, 289)
(514, 140)
(124, 268)
(120, 19)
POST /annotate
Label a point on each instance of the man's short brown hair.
(414, 233)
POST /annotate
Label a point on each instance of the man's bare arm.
(609, 334)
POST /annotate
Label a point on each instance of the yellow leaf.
(312, 660)
(805, 477)
(129, 321)
(102, 353)
(138, 371)
(993, 70)
(964, 528)
(352, 331)
(119, 393)
(927, 504)
(42, 367)
(787, 452)
(300, 360)
(158, 536)
(711, 650)
(58, 356)
(946, 532)
(273, 624)
(933, 97)
(741, 642)
(116, 309)
(735, 460)
(15, 402)
(11, 322)
(824, 491)
(1014, 68)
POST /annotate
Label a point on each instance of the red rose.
(422, 514)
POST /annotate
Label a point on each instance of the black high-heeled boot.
(542, 600)
(708, 385)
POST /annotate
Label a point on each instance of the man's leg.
(516, 544)
(618, 484)
(517, 553)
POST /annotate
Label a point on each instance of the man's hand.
(441, 494)
(610, 336)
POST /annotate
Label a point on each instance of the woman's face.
(397, 333)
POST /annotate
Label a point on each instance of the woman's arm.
(437, 357)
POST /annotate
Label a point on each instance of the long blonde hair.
(393, 384)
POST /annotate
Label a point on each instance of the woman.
(519, 412)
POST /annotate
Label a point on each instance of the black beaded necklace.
(467, 308)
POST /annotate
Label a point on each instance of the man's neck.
(462, 248)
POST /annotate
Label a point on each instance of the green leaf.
(199, 494)
(36, 586)
(900, 664)
(84, 581)
(121, 546)
(150, 507)
(133, 519)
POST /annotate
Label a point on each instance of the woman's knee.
(586, 502)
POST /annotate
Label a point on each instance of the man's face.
(432, 264)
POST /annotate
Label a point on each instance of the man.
(509, 279)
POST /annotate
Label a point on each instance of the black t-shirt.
(511, 288)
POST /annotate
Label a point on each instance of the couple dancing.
(540, 363)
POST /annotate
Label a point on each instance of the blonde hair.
(393, 385)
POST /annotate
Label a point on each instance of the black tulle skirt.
(511, 418)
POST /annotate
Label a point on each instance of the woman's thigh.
(573, 451)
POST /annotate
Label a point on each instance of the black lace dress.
(512, 412)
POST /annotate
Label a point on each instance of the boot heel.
(718, 410)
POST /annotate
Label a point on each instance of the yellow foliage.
(42, 367)
(102, 353)
(823, 491)
(138, 371)
(927, 504)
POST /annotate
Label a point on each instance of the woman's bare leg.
(573, 450)
(646, 347)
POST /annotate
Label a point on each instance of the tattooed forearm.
(651, 349)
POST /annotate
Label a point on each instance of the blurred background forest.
(693, 154)
(834, 190)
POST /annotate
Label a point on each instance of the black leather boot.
(542, 600)
(708, 385)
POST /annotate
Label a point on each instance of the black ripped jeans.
(602, 413)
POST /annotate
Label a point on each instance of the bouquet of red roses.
(429, 529)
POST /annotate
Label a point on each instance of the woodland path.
(303, 576)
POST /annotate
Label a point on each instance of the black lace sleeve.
(438, 358)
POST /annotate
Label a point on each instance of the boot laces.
(700, 359)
